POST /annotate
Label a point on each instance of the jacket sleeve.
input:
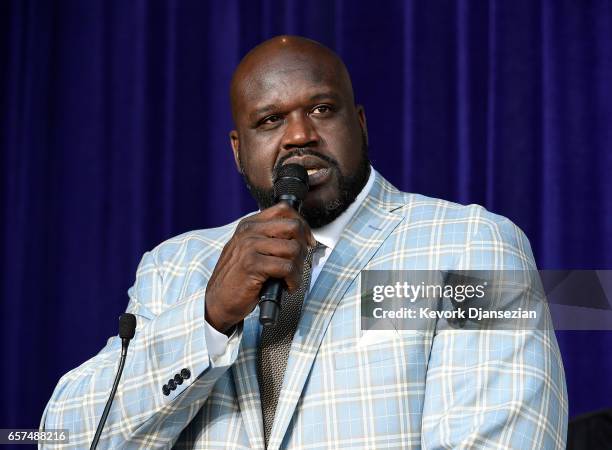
(496, 388)
(168, 340)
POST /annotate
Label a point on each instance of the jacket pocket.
(366, 353)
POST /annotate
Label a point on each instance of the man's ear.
(235, 142)
(362, 121)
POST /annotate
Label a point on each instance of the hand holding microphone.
(264, 256)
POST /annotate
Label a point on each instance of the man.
(200, 371)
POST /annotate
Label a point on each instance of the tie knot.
(312, 250)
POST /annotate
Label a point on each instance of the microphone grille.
(127, 326)
(292, 179)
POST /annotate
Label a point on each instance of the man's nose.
(300, 132)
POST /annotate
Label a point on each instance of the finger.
(282, 248)
(274, 267)
(293, 228)
(279, 210)
(283, 210)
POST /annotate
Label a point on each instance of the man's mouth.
(317, 169)
(318, 176)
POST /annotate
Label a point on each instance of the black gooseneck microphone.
(291, 186)
(127, 329)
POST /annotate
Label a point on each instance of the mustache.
(304, 152)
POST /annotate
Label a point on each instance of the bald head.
(289, 56)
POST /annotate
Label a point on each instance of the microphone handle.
(124, 345)
(272, 289)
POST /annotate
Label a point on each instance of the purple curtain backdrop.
(114, 137)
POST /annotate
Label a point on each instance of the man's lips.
(318, 170)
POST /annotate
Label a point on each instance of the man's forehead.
(272, 84)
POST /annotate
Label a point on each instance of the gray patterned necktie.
(275, 344)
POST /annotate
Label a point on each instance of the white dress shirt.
(220, 346)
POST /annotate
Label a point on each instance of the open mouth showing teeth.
(317, 176)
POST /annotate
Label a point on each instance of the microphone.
(127, 329)
(291, 186)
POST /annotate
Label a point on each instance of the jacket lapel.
(365, 233)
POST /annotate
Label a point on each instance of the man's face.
(291, 110)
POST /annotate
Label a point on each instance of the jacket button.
(185, 373)
(178, 379)
(166, 390)
(171, 384)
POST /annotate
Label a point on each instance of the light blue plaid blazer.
(343, 388)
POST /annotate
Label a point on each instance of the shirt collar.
(329, 234)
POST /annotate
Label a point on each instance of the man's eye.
(321, 109)
(270, 120)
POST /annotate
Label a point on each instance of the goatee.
(349, 186)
